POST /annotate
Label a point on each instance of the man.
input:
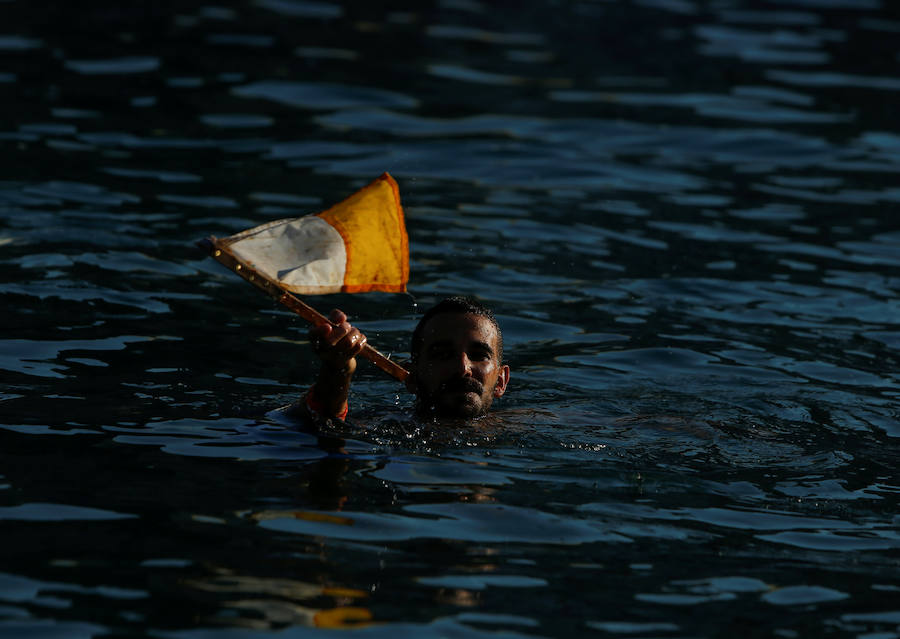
(456, 367)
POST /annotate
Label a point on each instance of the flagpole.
(220, 252)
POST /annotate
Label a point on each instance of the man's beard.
(440, 403)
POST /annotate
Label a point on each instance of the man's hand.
(337, 345)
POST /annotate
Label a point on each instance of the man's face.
(458, 372)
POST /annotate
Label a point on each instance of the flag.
(358, 245)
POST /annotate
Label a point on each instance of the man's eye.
(480, 356)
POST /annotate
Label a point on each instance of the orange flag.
(358, 245)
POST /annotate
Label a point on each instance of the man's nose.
(464, 365)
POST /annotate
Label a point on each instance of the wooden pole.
(220, 252)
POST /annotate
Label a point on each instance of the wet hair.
(460, 306)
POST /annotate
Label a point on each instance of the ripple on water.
(436, 472)
(303, 8)
(19, 43)
(770, 18)
(457, 32)
(778, 46)
(322, 95)
(237, 120)
(223, 438)
(463, 522)
(743, 107)
(153, 174)
(803, 595)
(81, 193)
(482, 582)
(241, 39)
(58, 512)
(832, 79)
(771, 212)
(114, 66)
(40, 357)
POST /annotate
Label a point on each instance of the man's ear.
(502, 381)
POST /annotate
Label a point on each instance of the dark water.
(684, 212)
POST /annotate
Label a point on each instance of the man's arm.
(337, 345)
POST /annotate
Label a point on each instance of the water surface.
(683, 212)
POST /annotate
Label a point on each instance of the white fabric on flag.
(313, 248)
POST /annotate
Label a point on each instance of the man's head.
(457, 360)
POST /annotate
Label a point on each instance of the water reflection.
(258, 602)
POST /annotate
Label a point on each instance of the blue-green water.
(685, 214)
